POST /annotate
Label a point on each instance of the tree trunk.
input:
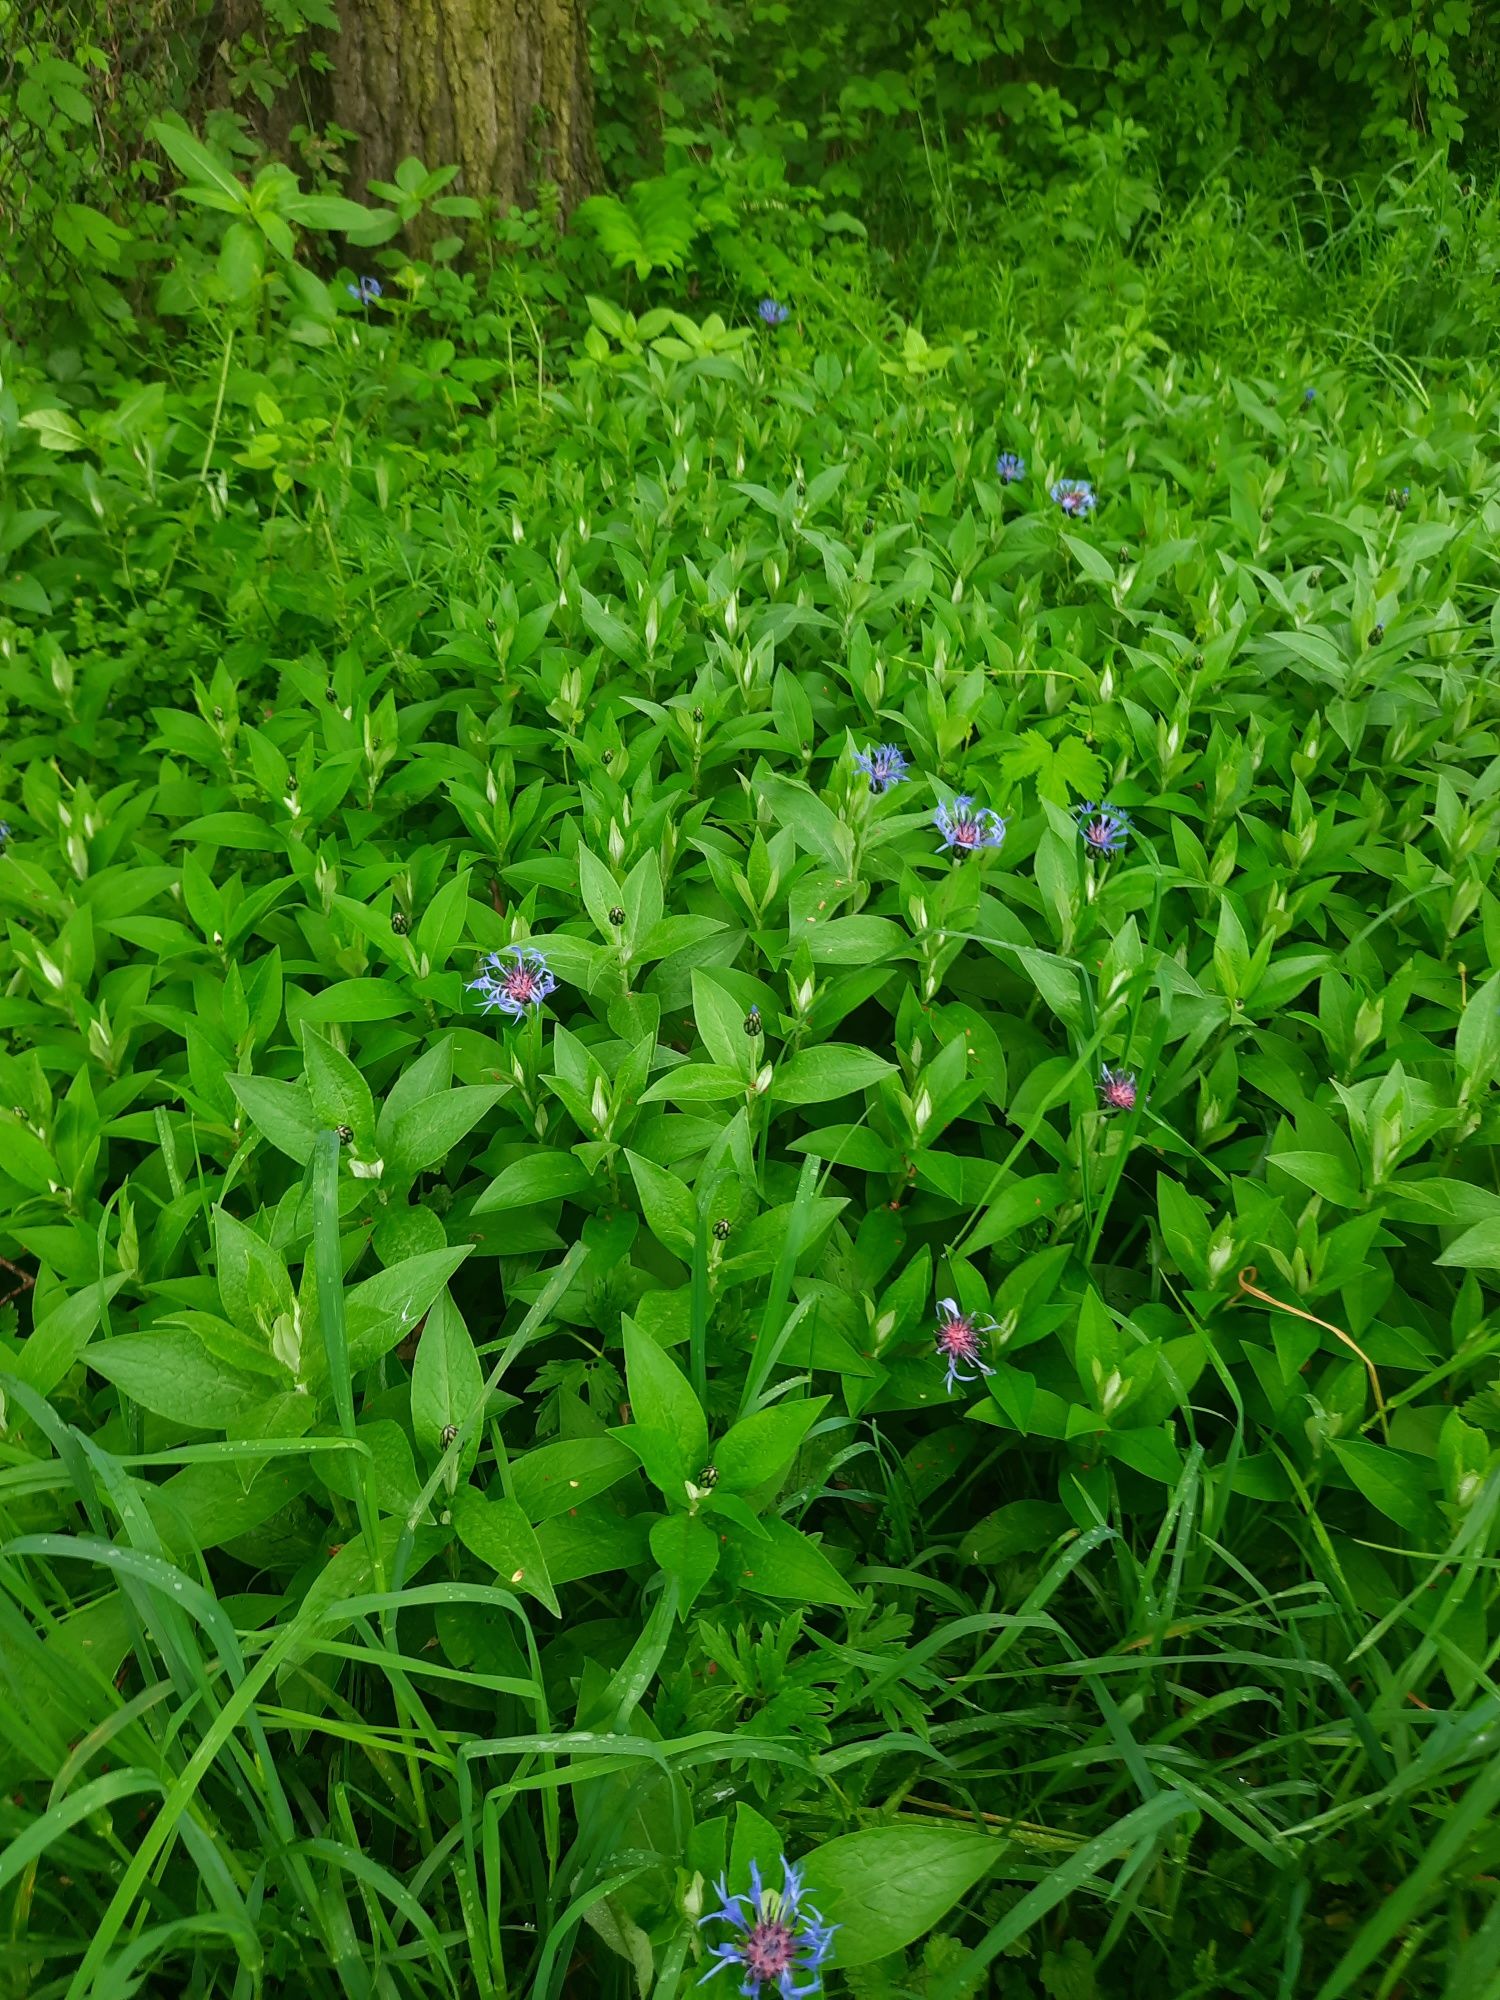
(499, 88)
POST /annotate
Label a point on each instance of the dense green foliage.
(467, 1483)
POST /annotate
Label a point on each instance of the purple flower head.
(366, 291)
(1104, 827)
(1309, 395)
(773, 312)
(513, 980)
(960, 1342)
(1010, 467)
(776, 1941)
(968, 827)
(1117, 1089)
(884, 766)
(1075, 496)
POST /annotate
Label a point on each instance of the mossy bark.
(500, 88)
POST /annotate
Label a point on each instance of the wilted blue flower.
(960, 1342)
(1105, 828)
(513, 980)
(1010, 466)
(884, 766)
(1117, 1089)
(1075, 496)
(968, 827)
(778, 1943)
(366, 291)
(773, 312)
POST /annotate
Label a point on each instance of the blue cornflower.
(884, 766)
(1075, 496)
(366, 291)
(1105, 828)
(4, 834)
(773, 312)
(960, 1342)
(513, 987)
(968, 827)
(778, 1944)
(1010, 466)
(1309, 395)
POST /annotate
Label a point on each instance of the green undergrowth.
(466, 1484)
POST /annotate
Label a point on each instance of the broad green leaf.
(889, 1885)
(500, 1535)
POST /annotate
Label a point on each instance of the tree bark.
(499, 88)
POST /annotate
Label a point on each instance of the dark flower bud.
(218, 715)
(697, 715)
(617, 915)
(489, 624)
(709, 1476)
(721, 1230)
(1377, 633)
(607, 756)
(346, 1135)
(450, 1432)
(330, 695)
(400, 922)
(291, 781)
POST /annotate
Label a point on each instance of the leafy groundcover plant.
(746, 1165)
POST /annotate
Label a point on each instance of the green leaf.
(557, 1477)
(429, 1131)
(499, 1534)
(1477, 1248)
(198, 164)
(280, 1112)
(889, 1885)
(57, 1341)
(783, 1563)
(686, 1548)
(661, 1397)
(1020, 1528)
(816, 1076)
(171, 1373)
(669, 1208)
(446, 1382)
(1391, 1482)
(755, 1449)
(548, 1176)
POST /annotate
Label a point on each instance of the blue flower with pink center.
(960, 1342)
(1104, 827)
(513, 982)
(884, 766)
(966, 827)
(777, 1942)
